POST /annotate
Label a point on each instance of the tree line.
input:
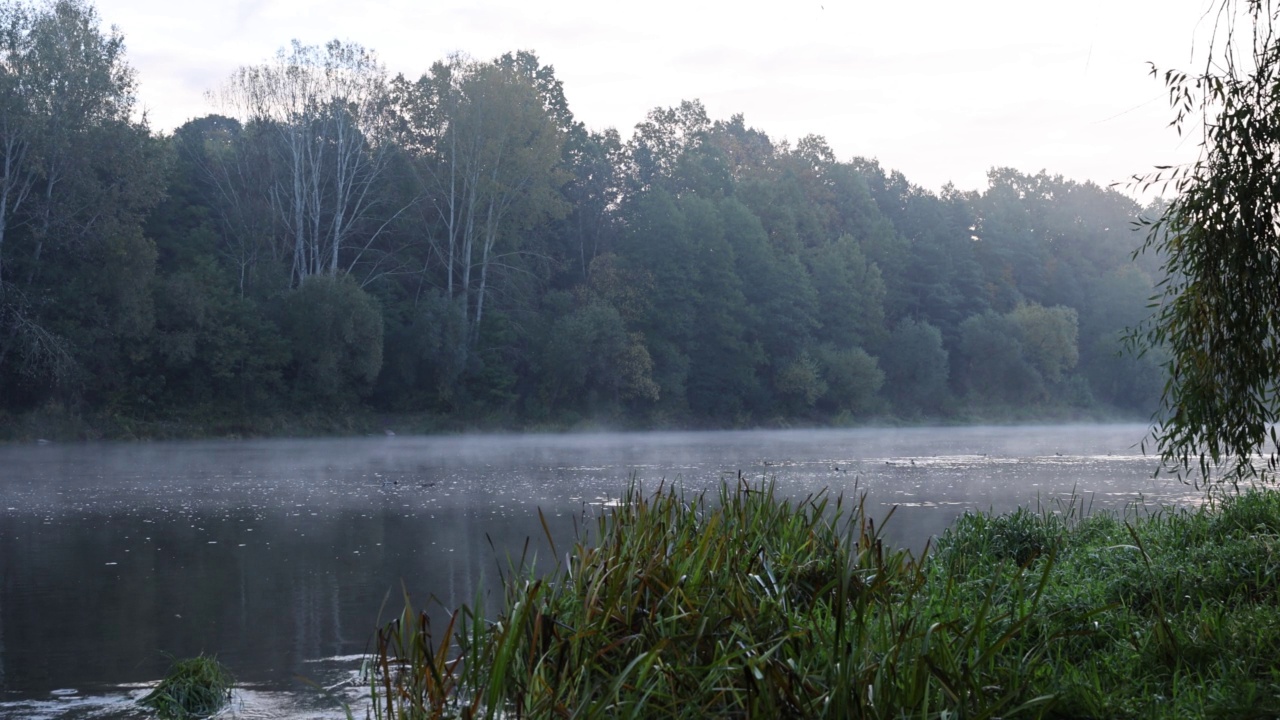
(333, 238)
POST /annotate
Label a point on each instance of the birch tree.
(232, 167)
(324, 113)
(488, 159)
(18, 129)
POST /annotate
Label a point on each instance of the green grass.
(746, 604)
(193, 688)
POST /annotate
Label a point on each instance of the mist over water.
(277, 556)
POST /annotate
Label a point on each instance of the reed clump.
(193, 688)
(744, 604)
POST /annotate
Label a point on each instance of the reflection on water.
(274, 555)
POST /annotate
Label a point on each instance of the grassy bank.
(748, 605)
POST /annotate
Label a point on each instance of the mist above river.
(276, 555)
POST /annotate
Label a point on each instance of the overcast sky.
(939, 89)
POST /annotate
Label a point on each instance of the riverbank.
(58, 423)
(750, 605)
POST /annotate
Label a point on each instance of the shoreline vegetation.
(56, 423)
(746, 604)
(466, 252)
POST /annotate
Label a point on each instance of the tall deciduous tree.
(335, 330)
(593, 192)
(78, 175)
(1049, 338)
(488, 159)
(915, 367)
(993, 364)
(326, 116)
(224, 167)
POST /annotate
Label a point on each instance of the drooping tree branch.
(1217, 311)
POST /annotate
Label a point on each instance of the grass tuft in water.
(193, 688)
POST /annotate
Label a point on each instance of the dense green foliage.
(344, 242)
(754, 606)
(1174, 614)
(1219, 315)
(196, 687)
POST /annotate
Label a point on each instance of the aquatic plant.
(193, 688)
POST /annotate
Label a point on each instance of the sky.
(940, 90)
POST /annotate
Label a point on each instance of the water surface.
(278, 555)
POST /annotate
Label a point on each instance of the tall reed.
(741, 605)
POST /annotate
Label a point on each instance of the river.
(278, 556)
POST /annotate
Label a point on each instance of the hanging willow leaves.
(1218, 309)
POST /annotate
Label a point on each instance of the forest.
(332, 241)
